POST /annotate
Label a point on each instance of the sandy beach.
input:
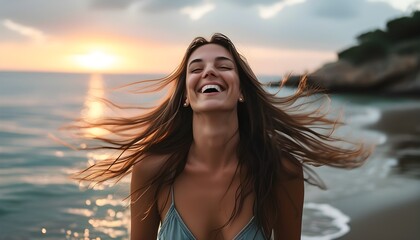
(391, 211)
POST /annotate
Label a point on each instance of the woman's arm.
(291, 198)
(143, 227)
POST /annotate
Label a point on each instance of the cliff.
(383, 61)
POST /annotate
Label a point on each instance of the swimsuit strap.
(172, 195)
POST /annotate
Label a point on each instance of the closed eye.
(225, 68)
(196, 70)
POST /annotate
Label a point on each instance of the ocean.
(38, 200)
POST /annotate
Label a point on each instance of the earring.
(186, 104)
(241, 99)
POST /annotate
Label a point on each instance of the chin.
(214, 108)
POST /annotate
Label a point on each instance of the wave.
(323, 222)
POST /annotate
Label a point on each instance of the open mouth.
(211, 89)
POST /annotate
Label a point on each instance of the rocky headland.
(383, 61)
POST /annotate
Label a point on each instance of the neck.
(216, 137)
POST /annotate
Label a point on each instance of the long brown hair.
(272, 129)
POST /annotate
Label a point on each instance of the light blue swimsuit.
(174, 228)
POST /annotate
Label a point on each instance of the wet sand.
(385, 214)
(391, 212)
(402, 127)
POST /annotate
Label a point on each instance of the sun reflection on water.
(108, 216)
(94, 108)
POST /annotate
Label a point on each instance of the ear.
(185, 94)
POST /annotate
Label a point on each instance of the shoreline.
(385, 214)
(392, 211)
(377, 209)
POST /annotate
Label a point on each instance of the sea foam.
(323, 222)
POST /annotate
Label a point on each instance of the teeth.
(211, 86)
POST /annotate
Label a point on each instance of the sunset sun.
(96, 60)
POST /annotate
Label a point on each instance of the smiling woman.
(219, 157)
(95, 60)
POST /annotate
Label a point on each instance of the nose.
(209, 71)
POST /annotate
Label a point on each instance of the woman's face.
(212, 80)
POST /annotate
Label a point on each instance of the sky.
(151, 36)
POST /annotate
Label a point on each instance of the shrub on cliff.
(374, 36)
(404, 28)
(366, 51)
(401, 36)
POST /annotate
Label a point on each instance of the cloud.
(154, 6)
(403, 5)
(334, 9)
(111, 4)
(164, 5)
(308, 25)
(314, 24)
(197, 12)
(53, 17)
(271, 10)
(254, 2)
(27, 31)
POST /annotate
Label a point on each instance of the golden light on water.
(82, 212)
(106, 215)
(94, 109)
(108, 201)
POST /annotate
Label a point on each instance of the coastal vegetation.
(401, 36)
(383, 61)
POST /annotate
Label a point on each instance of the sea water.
(38, 200)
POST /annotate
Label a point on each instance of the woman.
(220, 158)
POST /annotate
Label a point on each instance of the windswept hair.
(272, 129)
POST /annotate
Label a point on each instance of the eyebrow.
(217, 59)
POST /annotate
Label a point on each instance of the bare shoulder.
(291, 179)
(290, 195)
(147, 168)
(291, 169)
